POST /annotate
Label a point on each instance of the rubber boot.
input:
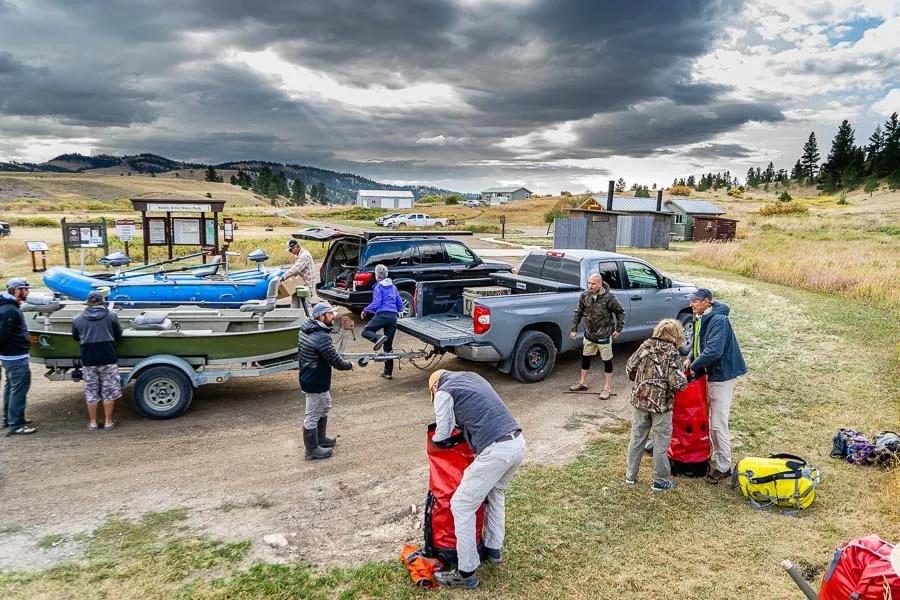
(311, 441)
(324, 440)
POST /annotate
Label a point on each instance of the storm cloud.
(428, 90)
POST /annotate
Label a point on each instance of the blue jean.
(18, 382)
(388, 322)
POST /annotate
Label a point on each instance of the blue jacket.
(385, 298)
(317, 356)
(720, 356)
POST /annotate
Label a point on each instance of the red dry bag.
(446, 467)
(861, 570)
(689, 449)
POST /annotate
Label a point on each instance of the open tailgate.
(441, 331)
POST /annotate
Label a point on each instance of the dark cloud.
(713, 151)
(160, 77)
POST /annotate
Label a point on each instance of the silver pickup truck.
(523, 332)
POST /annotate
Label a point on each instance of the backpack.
(861, 570)
(844, 440)
(782, 480)
(858, 449)
(421, 568)
(689, 449)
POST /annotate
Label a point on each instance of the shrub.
(680, 190)
(429, 199)
(784, 208)
(453, 199)
(358, 213)
(842, 199)
(785, 197)
(736, 192)
(33, 221)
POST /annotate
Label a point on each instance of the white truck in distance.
(417, 220)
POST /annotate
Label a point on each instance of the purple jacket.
(385, 298)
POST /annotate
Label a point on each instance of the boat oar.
(164, 262)
(798, 579)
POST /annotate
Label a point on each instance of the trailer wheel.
(162, 392)
(534, 358)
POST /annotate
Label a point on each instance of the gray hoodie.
(97, 329)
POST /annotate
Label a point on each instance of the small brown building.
(707, 229)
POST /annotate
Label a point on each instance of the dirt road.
(235, 461)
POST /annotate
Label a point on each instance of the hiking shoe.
(493, 555)
(630, 481)
(604, 394)
(454, 579)
(663, 486)
(379, 343)
(715, 476)
(577, 387)
(387, 376)
(22, 431)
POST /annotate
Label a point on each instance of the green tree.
(810, 158)
(894, 179)
(642, 191)
(889, 158)
(211, 175)
(785, 197)
(843, 152)
(620, 185)
(871, 185)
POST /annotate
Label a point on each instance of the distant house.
(502, 195)
(385, 198)
(685, 211)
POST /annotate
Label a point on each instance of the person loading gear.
(303, 267)
(604, 319)
(317, 357)
(470, 402)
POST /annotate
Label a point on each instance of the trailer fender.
(162, 359)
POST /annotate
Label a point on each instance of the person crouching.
(317, 357)
(657, 373)
(386, 305)
(97, 329)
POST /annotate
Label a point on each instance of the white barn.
(385, 198)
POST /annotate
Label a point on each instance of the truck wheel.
(439, 224)
(407, 304)
(162, 392)
(534, 358)
(685, 317)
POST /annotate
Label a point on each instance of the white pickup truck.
(417, 220)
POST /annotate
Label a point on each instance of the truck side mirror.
(667, 283)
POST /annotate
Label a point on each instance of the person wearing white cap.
(304, 267)
(317, 356)
(14, 345)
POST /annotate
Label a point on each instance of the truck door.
(650, 302)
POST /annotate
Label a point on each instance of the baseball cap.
(702, 294)
(292, 243)
(320, 309)
(16, 282)
(95, 297)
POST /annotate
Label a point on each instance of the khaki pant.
(593, 348)
(485, 479)
(721, 394)
(644, 424)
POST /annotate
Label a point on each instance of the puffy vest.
(478, 409)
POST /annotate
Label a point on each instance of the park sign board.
(125, 229)
(83, 235)
(178, 207)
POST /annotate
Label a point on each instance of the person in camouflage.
(604, 319)
(657, 373)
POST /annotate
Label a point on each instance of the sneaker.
(379, 343)
(454, 579)
(630, 481)
(663, 486)
(493, 555)
(604, 394)
(23, 431)
(715, 476)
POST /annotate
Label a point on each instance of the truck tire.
(439, 224)
(162, 392)
(534, 357)
(685, 317)
(407, 304)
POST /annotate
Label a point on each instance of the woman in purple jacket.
(386, 305)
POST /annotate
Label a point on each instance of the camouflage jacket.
(657, 372)
(602, 315)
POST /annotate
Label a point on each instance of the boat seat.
(258, 306)
(211, 269)
(152, 321)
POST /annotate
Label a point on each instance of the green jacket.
(602, 315)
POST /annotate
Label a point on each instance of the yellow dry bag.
(782, 480)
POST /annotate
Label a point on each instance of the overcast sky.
(461, 94)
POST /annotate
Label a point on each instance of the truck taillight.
(415, 302)
(481, 318)
(362, 279)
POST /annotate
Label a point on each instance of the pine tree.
(691, 181)
(769, 175)
(871, 185)
(620, 185)
(843, 153)
(810, 158)
(211, 175)
(889, 159)
(298, 192)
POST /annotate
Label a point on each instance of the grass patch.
(816, 363)
(783, 208)
(51, 540)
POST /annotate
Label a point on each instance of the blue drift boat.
(209, 285)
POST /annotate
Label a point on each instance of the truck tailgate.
(442, 331)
